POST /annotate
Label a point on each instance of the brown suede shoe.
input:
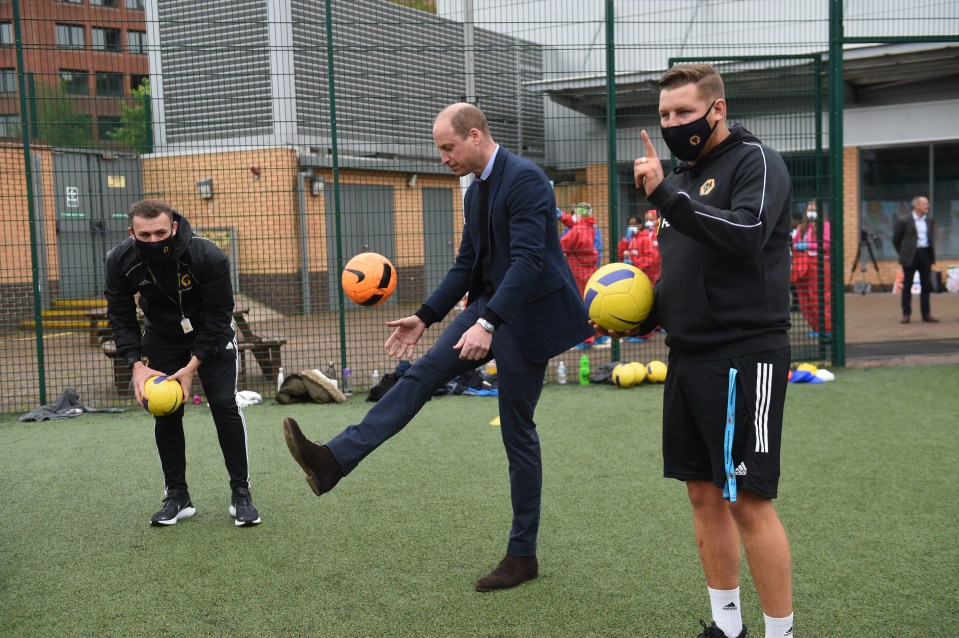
(510, 572)
(929, 319)
(322, 470)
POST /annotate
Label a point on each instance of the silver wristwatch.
(486, 325)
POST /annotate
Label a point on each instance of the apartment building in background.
(81, 58)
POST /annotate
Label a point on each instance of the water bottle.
(347, 374)
(279, 379)
(584, 370)
(561, 373)
(375, 379)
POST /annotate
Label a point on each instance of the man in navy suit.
(523, 309)
(912, 236)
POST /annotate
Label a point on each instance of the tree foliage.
(134, 130)
(60, 121)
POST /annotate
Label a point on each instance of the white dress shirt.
(922, 231)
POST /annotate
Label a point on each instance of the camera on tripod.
(870, 239)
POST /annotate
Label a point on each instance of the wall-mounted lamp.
(411, 182)
(204, 188)
(317, 184)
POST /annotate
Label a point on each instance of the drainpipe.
(302, 183)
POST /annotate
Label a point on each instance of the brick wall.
(261, 206)
(16, 265)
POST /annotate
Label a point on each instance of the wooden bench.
(122, 375)
(99, 325)
(264, 346)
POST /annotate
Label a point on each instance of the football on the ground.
(656, 372)
(639, 372)
(368, 279)
(618, 297)
(162, 396)
(623, 375)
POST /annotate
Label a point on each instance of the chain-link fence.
(297, 133)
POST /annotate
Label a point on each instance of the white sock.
(726, 610)
(779, 627)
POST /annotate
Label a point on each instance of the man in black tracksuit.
(723, 299)
(187, 303)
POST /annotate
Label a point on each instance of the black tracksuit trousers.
(218, 375)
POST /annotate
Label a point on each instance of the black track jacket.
(204, 286)
(724, 241)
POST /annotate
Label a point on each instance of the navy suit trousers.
(922, 263)
(520, 383)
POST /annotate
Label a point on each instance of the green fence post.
(821, 221)
(612, 174)
(336, 181)
(22, 80)
(836, 94)
(148, 122)
(34, 117)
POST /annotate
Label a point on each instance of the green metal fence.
(297, 133)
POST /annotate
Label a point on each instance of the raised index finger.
(648, 145)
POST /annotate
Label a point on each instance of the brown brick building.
(95, 51)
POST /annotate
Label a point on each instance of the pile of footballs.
(809, 373)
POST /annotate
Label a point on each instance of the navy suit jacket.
(905, 239)
(533, 289)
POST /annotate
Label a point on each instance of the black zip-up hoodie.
(204, 287)
(724, 241)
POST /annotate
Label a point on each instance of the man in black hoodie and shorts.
(723, 299)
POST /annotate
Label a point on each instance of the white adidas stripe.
(764, 383)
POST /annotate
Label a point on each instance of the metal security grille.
(297, 133)
(213, 60)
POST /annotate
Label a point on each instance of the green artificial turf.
(867, 497)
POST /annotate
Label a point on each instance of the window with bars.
(9, 125)
(75, 82)
(137, 41)
(6, 34)
(110, 84)
(8, 80)
(106, 39)
(105, 3)
(70, 36)
(134, 4)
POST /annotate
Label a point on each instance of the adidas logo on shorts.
(741, 469)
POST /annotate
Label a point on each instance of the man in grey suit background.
(524, 308)
(912, 237)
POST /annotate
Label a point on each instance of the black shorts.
(695, 403)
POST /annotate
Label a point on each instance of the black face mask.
(156, 252)
(688, 140)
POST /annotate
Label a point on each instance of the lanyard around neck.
(179, 291)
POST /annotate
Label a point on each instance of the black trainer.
(242, 509)
(176, 506)
(715, 632)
